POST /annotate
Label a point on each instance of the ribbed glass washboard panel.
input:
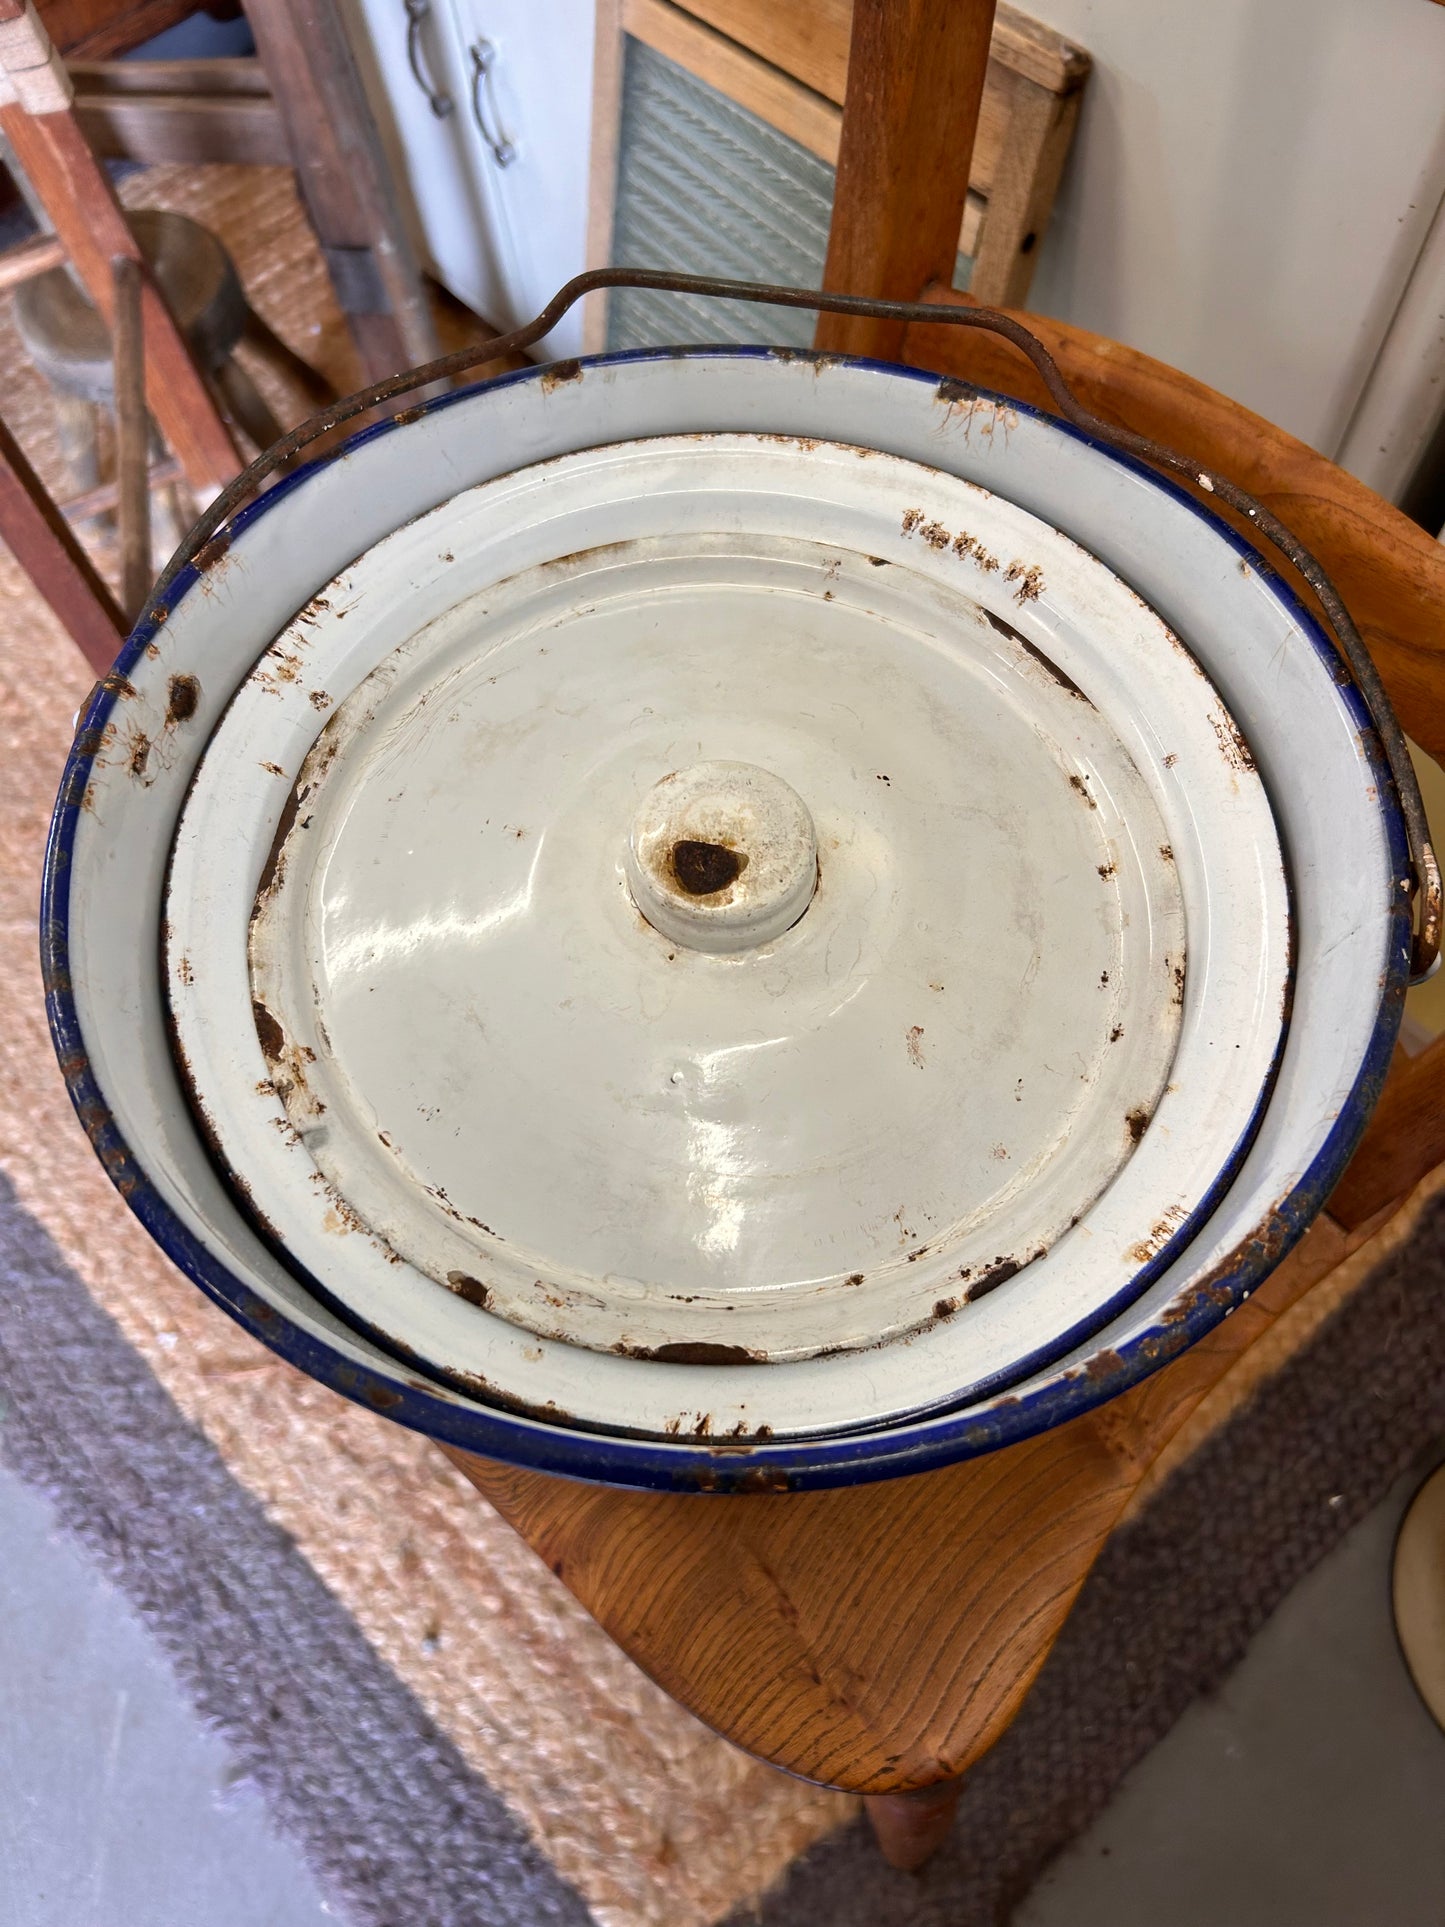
(704, 187)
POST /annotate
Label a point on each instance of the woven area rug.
(430, 1714)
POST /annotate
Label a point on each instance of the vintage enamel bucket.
(725, 920)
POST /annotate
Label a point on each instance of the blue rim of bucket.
(918, 1444)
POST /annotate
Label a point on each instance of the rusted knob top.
(722, 857)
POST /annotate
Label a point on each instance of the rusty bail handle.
(1426, 890)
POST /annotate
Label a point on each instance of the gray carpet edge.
(1168, 1611)
(398, 1828)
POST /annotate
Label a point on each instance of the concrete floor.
(117, 1809)
(1308, 1793)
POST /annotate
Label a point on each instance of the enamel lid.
(727, 900)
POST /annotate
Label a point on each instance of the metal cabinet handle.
(440, 102)
(484, 103)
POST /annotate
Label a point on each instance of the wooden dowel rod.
(132, 427)
(23, 263)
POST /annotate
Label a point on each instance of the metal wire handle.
(1426, 886)
(439, 101)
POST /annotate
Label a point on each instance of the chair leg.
(245, 405)
(911, 1827)
(43, 545)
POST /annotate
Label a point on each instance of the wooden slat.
(97, 29)
(246, 129)
(106, 496)
(344, 181)
(81, 204)
(1390, 572)
(23, 263)
(37, 535)
(774, 96)
(180, 110)
(1038, 52)
(240, 75)
(1038, 133)
(909, 121)
(809, 39)
(132, 439)
(607, 57)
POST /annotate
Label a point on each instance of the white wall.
(1251, 183)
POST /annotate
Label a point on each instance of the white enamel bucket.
(1226, 796)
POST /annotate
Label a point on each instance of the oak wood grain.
(1389, 570)
(1403, 1140)
(915, 82)
(1038, 131)
(810, 40)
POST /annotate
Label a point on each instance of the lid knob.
(722, 857)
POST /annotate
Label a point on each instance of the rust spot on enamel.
(183, 697)
(559, 374)
(472, 1289)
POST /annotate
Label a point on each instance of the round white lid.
(758, 935)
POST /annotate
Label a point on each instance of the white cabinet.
(485, 108)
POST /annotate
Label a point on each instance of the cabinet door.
(523, 81)
(485, 111)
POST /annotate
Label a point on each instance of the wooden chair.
(154, 367)
(149, 331)
(881, 1638)
(301, 104)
